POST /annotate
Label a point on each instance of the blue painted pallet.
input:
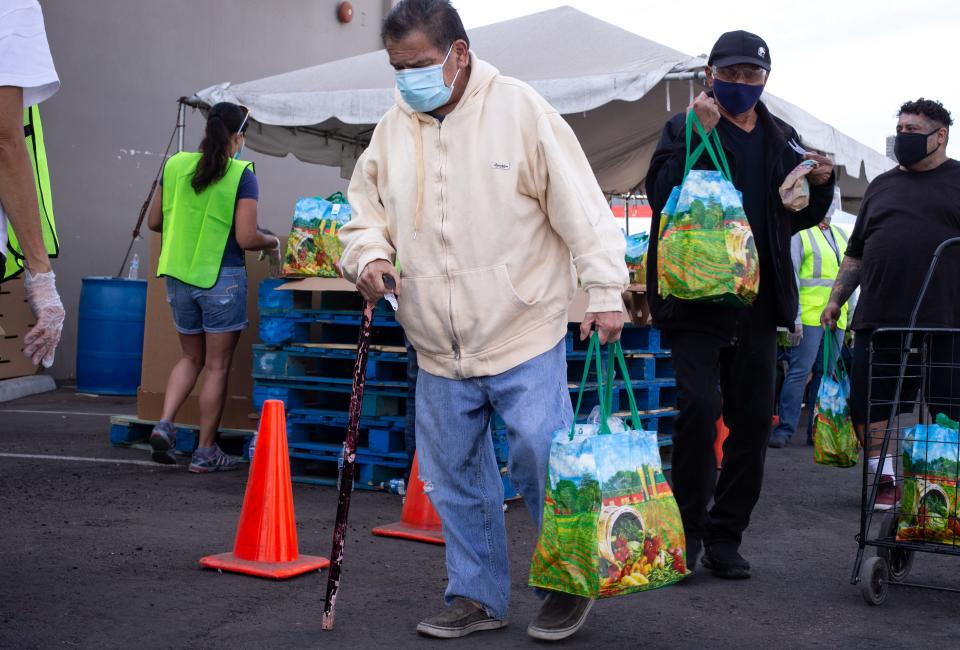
(635, 339)
(319, 463)
(309, 360)
(128, 431)
(376, 438)
(332, 418)
(641, 365)
(297, 395)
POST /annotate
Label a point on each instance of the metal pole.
(181, 123)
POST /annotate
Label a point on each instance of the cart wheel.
(899, 560)
(874, 576)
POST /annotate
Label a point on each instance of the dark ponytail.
(224, 121)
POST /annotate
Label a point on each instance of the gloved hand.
(796, 336)
(272, 255)
(40, 343)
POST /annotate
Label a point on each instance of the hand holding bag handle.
(593, 354)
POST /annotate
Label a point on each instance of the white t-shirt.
(25, 61)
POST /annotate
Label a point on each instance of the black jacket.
(666, 171)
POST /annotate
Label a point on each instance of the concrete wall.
(122, 65)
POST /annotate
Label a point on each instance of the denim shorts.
(221, 308)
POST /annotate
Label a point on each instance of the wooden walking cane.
(349, 461)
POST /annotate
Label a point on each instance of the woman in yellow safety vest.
(207, 212)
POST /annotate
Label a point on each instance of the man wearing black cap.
(715, 345)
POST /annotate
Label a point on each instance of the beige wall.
(122, 65)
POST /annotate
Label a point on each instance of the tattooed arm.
(848, 279)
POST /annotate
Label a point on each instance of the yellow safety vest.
(33, 134)
(817, 272)
(196, 226)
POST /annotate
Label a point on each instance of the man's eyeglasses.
(750, 75)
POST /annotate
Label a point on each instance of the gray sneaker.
(560, 616)
(215, 461)
(461, 618)
(162, 440)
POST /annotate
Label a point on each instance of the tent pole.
(181, 123)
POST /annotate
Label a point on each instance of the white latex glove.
(272, 255)
(40, 343)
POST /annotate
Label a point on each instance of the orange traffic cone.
(418, 520)
(722, 433)
(266, 544)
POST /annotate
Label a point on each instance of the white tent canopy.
(611, 85)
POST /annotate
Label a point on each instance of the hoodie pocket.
(488, 311)
(424, 313)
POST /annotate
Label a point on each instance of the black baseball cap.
(739, 47)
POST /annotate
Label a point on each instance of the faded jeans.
(802, 359)
(459, 467)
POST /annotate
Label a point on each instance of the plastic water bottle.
(134, 267)
(395, 486)
(252, 447)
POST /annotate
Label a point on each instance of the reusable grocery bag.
(314, 248)
(834, 440)
(931, 469)
(706, 250)
(610, 523)
(636, 256)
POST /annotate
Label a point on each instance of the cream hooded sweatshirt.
(492, 213)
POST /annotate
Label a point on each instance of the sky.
(849, 63)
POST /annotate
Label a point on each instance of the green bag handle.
(631, 398)
(615, 350)
(709, 143)
(593, 354)
(829, 342)
(946, 422)
(337, 197)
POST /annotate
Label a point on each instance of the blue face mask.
(240, 132)
(735, 97)
(423, 88)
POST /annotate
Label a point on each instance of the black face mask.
(911, 148)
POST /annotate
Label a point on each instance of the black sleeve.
(859, 235)
(666, 166)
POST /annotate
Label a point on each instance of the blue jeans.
(801, 359)
(459, 468)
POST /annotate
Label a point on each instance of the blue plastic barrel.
(110, 335)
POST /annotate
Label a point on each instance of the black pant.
(744, 370)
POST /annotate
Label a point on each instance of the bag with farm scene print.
(706, 250)
(610, 523)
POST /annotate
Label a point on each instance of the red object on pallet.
(266, 543)
(418, 520)
(723, 432)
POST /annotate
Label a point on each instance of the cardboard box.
(161, 351)
(16, 319)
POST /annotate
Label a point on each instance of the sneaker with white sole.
(560, 616)
(163, 438)
(461, 618)
(204, 462)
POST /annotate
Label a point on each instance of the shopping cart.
(924, 365)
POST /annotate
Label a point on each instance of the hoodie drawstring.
(418, 141)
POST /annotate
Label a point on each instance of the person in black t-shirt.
(714, 345)
(906, 213)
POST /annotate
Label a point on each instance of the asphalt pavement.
(99, 552)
